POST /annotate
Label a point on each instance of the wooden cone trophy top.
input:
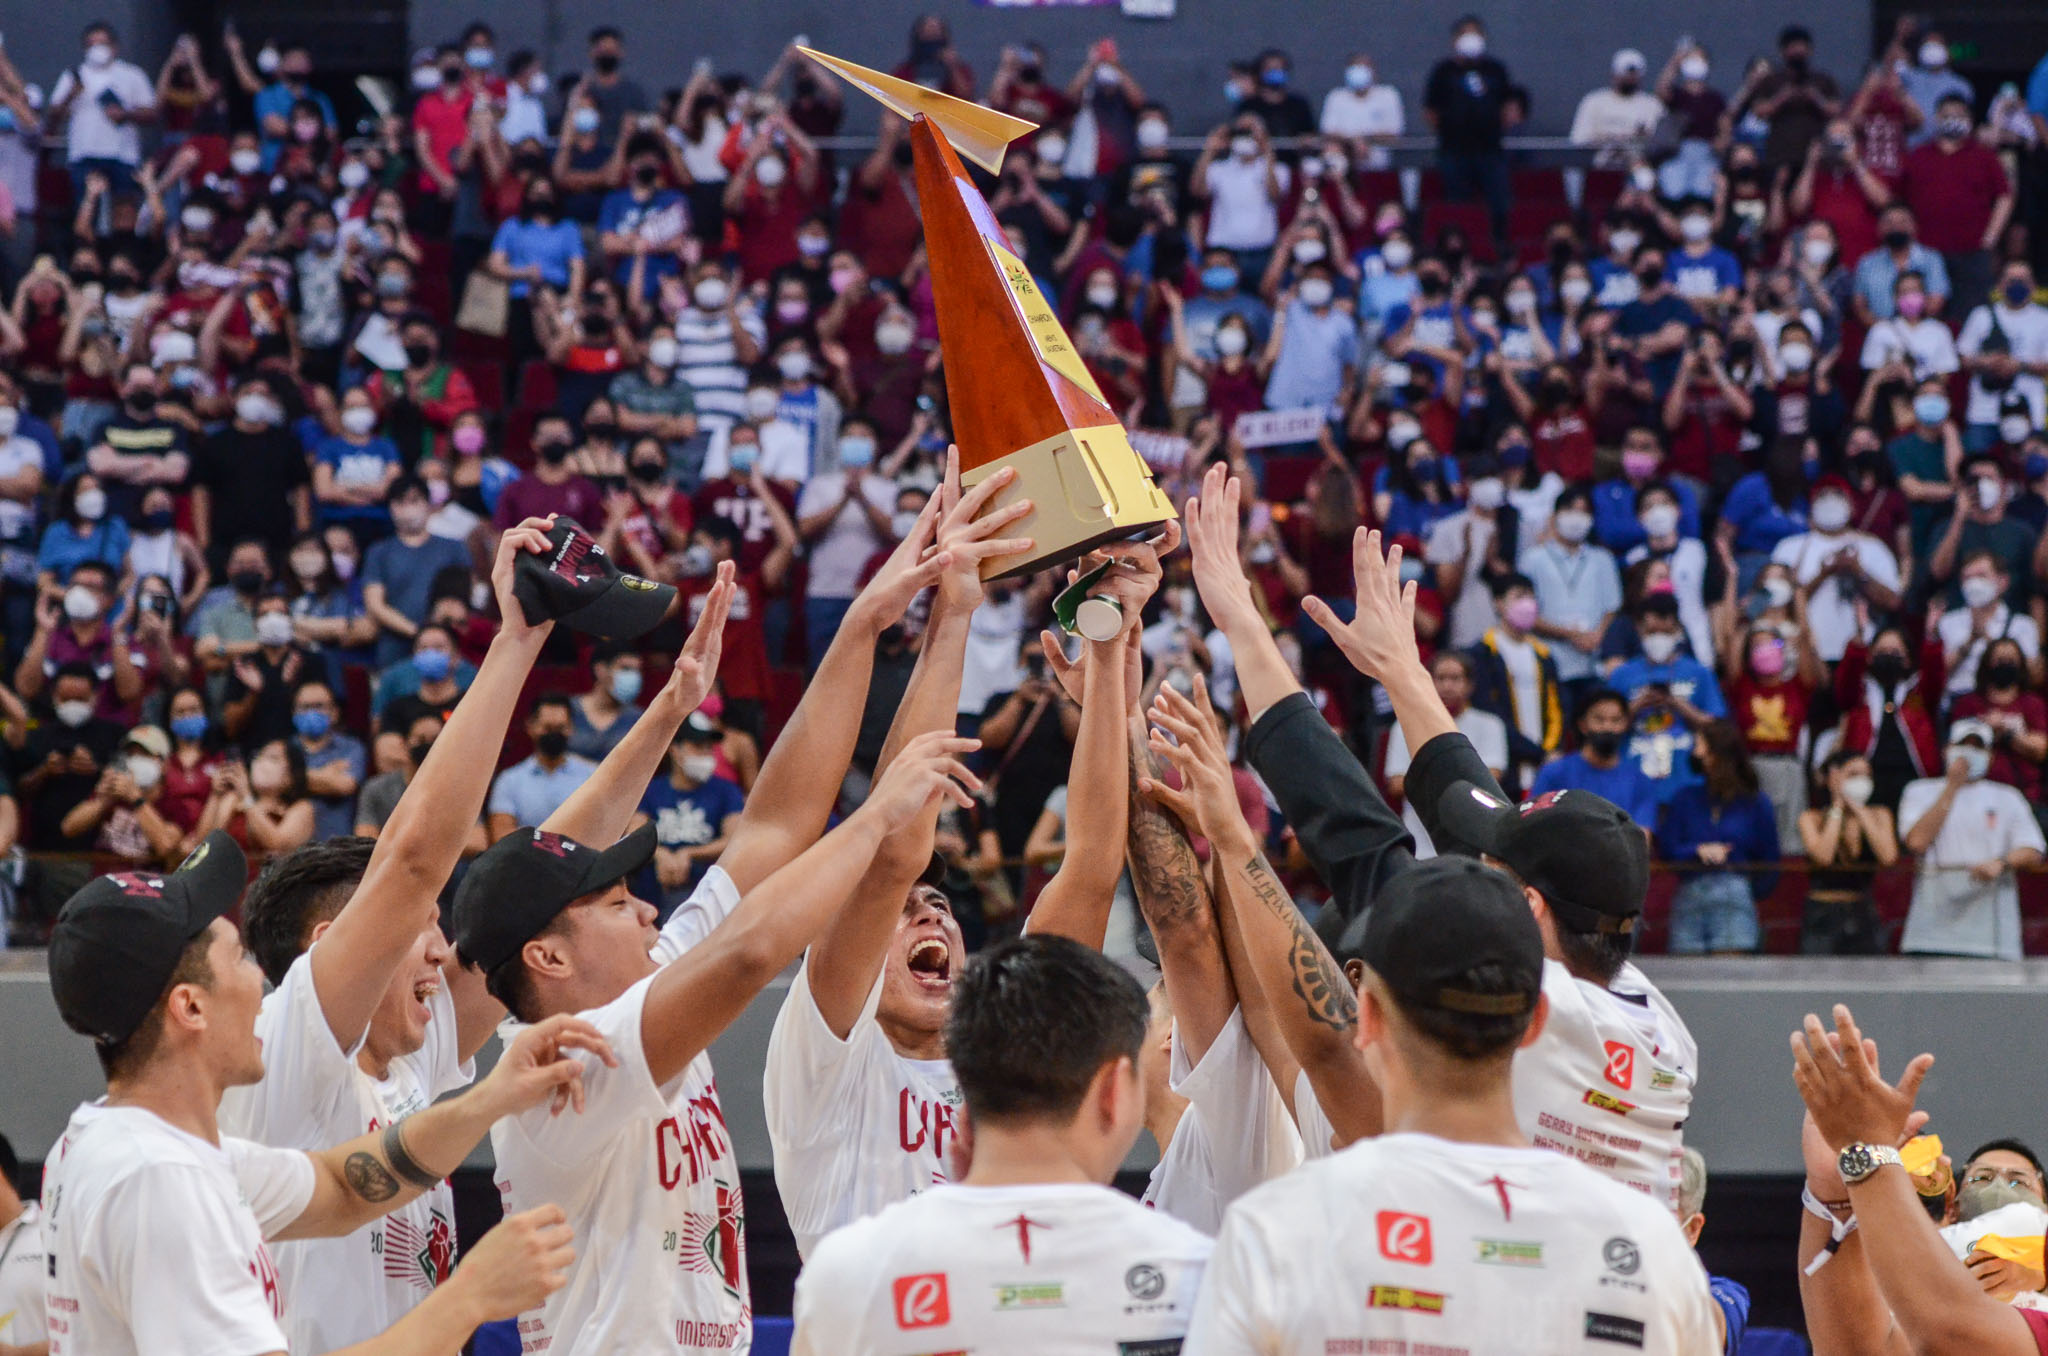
(1019, 392)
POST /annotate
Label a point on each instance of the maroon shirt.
(531, 497)
(1952, 193)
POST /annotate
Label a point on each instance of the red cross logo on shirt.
(1023, 1224)
(1501, 1184)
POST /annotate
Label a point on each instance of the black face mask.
(1888, 669)
(553, 453)
(605, 63)
(540, 209)
(124, 284)
(1432, 285)
(451, 75)
(418, 355)
(551, 743)
(1741, 350)
(646, 175)
(246, 581)
(648, 472)
(1031, 74)
(599, 431)
(904, 155)
(1557, 392)
(1648, 278)
(419, 751)
(1560, 253)
(140, 403)
(1606, 743)
(157, 521)
(1897, 240)
(2004, 675)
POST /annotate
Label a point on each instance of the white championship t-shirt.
(648, 1178)
(21, 1278)
(1051, 1270)
(1610, 1080)
(1234, 1134)
(855, 1126)
(313, 1095)
(1318, 1136)
(1409, 1243)
(156, 1237)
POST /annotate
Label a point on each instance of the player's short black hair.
(305, 887)
(10, 1166)
(2008, 1146)
(1034, 1020)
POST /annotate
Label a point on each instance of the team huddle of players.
(1447, 1118)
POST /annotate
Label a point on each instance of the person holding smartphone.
(103, 102)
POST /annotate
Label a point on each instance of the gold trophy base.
(1087, 486)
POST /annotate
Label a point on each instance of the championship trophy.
(1019, 392)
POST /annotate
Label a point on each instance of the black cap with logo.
(519, 884)
(1453, 934)
(117, 941)
(1581, 852)
(574, 581)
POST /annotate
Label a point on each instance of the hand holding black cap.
(1581, 852)
(575, 581)
(117, 941)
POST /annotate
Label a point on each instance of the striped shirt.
(709, 363)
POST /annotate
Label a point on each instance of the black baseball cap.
(1581, 852)
(1433, 926)
(698, 728)
(117, 941)
(519, 884)
(575, 581)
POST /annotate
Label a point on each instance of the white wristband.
(1838, 1229)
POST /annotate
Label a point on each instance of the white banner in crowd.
(1273, 428)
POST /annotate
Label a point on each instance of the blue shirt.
(335, 816)
(1313, 355)
(63, 550)
(591, 742)
(1702, 276)
(1734, 1301)
(1640, 318)
(1614, 514)
(554, 247)
(2037, 89)
(1876, 273)
(1434, 328)
(403, 680)
(407, 574)
(664, 216)
(1760, 523)
(1614, 285)
(1380, 290)
(1747, 825)
(1661, 743)
(1202, 313)
(530, 793)
(356, 465)
(1624, 784)
(688, 819)
(277, 98)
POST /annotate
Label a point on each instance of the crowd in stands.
(1719, 459)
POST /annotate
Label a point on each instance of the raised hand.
(1134, 578)
(928, 769)
(1068, 672)
(697, 666)
(1380, 637)
(1206, 802)
(968, 536)
(537, 1066)
(515, 1267)
(912, 567)
(531, 535)
(1212, 547)
(1837, 1076)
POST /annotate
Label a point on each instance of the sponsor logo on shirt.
(1662, 1079)
(1402, 1297)
(1623, 1261)
(1504, 1252)
(1405, 1238)
(922, 1301)
(1627, 1332)
(1158, 1346)
(1035, 1295)
(1621, 1065)
(1608, 1102)
(1145, 1281)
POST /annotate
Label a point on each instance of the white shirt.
(1610, 1080)
(649, 1181)
(156, 1237)
(2026, 333)
(17, 454)
(1466, 536)
(2021, 1219)
(92, 136)
(1688, 561)
(855, 1125)
(1525, 676)
(1606, 117)
(1489, 736)
(991, 668)
(1242, 216)
(1409, 1243)
(1234, 1134)
(837, 557)
(1953, 913)
(1374, 112)
(1318, 1136)
(1831, 610)
(1577, 588)
(313, 1094)
(1045, 1270)
(1958, 632)
(21, 1278)
(1925, 344)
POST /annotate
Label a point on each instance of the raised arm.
(854, 946)
(420, 846)
(799, 782)
(701, 993)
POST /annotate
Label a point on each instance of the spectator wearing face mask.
(63, 756)
(1898, 253)
(843, 516)
(1962, 196)
(429, 682)
(1466, 100)
(1597, 765)
(1666, 539)
(1801, 400)
(887, 376)
(1971, 834)
(138, 447)
(604, 715)
(812, 410)
(398, 572)
(1765, 507)
(1451, 671)
(1616, 507)
(1578, 589)
(1670, 694)
(353, 471)
(103, 103)
(2004, 344)
(1844, 572)
(262, 804)
(257, 700)
(534, 788)
(1514, 677)
(420, 402)
(72, 627)
(1986, 617)
(122, 816)
(1364, 110)
(226, 622)
(1715, 825)
(1232, 383)
(693, 810)
(771, 195)
(1616, 117)
(1242, 184)
(717, 340)
(644, 225)
(1982, 525)
(250, 479)
(1559, 419)
(1888, 698)
(1845, 837)
(336, 760)
(1656, 327)
(2003, 697)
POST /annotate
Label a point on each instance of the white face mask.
(1152, 134)
(1696, 228)
(1777, 591)
(81, 603)
(1796, 357)
(1358, 75)
(1309, 251)
(1625, 240)
(663, 352)
(699, 767)
(245, 161)
(1990, 494)
(1470, 46)
(99, 55)
(10, 420)
(1978, 591)
(1316, 291)
(1976, 761)
(710, 293)
(274, 628)
(1858, 790)
(794, 366)
(2013, 428)
(73, 714)
(1659, 648)
(1830, 513)
(1573, 525)
(1660, 520)
(1521, 301)
(91, 504)
(891, 340)
(1397, 254)
(1817, 252)
(901, 522)
(1933, 55)
(770, 171)
(762, 404)
(1230, 342)
(1574, 291)
(1693, 67)
(1103, 295)
(254, 409)
(359, 419)
(1050, 149)
(1399, 435)
(145, 772)
(1244, 148)
(1488, 493)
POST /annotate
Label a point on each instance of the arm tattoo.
(1318, 980)
(368, 1178)
(402, 1162)
(1164, 872)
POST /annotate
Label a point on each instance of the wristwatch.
(1858, 1161)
